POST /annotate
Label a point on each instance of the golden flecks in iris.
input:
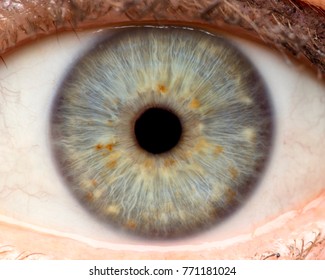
(110, 123)
(233, 172)
(112, 210)
(112, 102)
(148, 163)
(94, 182)
(111, 164)
(249, 134)
(112, 160)
(194, 104)
(89, 196)
(201, 145)
(230, 195)
(162, 88)
(185, 154)
(218, 150)
(97, 193)
(99, 147)
(109, 146)
(131, 224)
(246, 100)
(169, 162)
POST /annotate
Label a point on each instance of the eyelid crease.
(288, 25)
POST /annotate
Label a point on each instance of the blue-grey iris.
(136, 173)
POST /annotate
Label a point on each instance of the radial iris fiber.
(226, 126)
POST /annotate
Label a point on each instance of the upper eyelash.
(289, 26)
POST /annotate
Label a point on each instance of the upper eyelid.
(289, 26)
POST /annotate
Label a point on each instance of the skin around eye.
(319, 3)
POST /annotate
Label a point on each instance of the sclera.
(79, 223)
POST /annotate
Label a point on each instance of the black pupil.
(157, 130)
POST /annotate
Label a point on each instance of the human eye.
(298, 141)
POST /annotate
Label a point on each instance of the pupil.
(157, 130)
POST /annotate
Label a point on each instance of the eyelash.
(299, 32)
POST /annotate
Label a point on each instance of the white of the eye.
(31, 190)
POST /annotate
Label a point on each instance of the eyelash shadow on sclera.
(162, 132)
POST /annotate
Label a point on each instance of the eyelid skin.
(288, 25)
(287, 243)
(317, 3)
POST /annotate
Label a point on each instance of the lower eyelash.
(226, 131)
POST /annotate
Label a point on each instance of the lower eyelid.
(262, 242)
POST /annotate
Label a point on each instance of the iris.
(162, 132)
